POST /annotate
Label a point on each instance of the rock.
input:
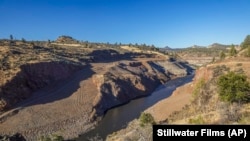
(31, 78)
(65, 39)
(15, 137)
(125, 82)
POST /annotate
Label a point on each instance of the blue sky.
(174, 23)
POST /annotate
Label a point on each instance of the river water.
(117, 118)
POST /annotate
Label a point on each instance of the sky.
(173, 23)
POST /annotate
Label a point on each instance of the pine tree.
(246, 42)
(233, 51)
(11, 37)
(222, 55)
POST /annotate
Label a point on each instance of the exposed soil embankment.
(32, 77)
(67, 107)
(129, 80)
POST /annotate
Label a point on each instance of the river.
(117, 118)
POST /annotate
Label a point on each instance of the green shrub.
(222, 55)
(53, 137)
(198, 120)
(233, 51)
(233, 87)
(146, 118)
(199, 85)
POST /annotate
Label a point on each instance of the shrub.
(53, 137)
(222, 55)
(233, 51)
(199, 85)
(198, 120)
(146, 118)
(219, 70)
(246, 42)
(248, 51)
(233, 87)
(245, 118)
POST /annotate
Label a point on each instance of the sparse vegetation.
(244, 118)
(222, 55)
(52, 137)
(198, 120)
(239, 64)
(146, 118)
(234, 87)
(246, 42)
(219, 70)
(199, 85)
(23, 40)
(228, 112)
(233, 51)
(213, 60)
(248, 51)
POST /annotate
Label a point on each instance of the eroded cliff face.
(128, 80)
(85, 95)
(32, 77)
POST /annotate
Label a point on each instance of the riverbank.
(118, 118)
(162, 108)
(69, 108)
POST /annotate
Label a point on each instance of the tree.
(213, 60)
(23, 40)
(234, 87)
(11, 37)
(233, 51)
(222, 55)
(146, 118)
(248, 51)
(246, 42)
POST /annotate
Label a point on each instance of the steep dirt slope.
(182, 107)
(67, 108)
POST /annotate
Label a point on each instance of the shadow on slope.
(45, 82)
(109, 55)
(118, 118)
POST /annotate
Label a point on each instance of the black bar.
(221, 132)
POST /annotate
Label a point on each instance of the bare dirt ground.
(175, 102)
(183, 95)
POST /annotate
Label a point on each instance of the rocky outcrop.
(126, 81)
(31, 78)
(86, 94)
(65, 39)
(15, 137)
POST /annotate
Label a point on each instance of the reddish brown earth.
(183, 95)
(64, 89)
(68, 107)
(180, 97)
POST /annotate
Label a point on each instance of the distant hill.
(165, 49)
(218, 46)
(214, 46)
(169, 49)
(197, 46)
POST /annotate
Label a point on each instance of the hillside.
(199, 102)
(198, 55)
(65, 87)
